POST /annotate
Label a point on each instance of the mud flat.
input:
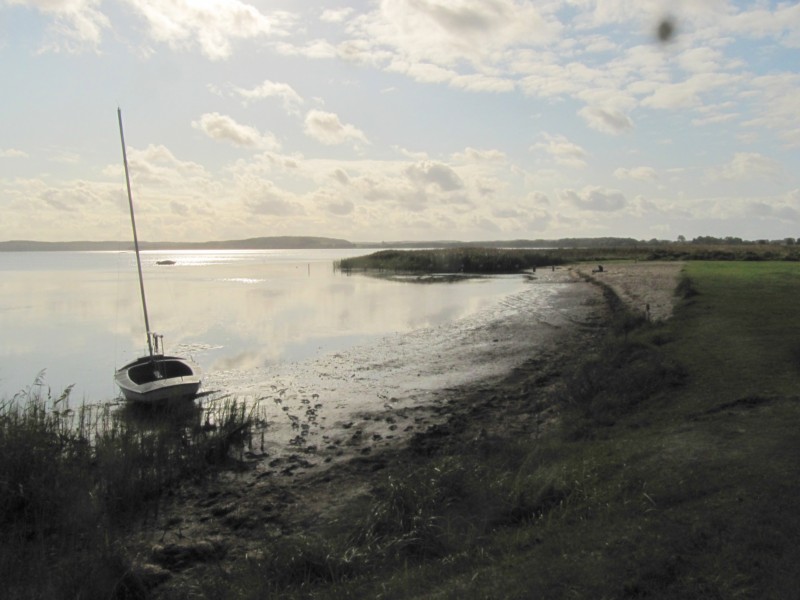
(358, 401)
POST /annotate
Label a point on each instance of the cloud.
(335, 15)
(213, 25)
(700, 60)
(688, 93)
(340, 176)
(606, 120)
(480, 156)
(763, 210)
(775, 105)
(325, 127)
(223, 128)
(157, 165)
(747, 166)
(264, 198)
(339, 207)
(782, 24)
(13, 153)
(563, 151)
(77, 24)
(447, 32)
(595, 199)
(270, 89)
(316, 49)
(437, 174)
(637, 173)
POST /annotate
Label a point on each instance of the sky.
(392, 120)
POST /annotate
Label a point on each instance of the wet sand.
(352, 403)
(332, 426)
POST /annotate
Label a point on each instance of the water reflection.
(78, 315)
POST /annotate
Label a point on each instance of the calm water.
(77, 315)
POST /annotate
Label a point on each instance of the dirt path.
(640, 284)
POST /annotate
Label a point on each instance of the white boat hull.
(158, 379)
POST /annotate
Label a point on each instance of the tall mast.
(135, 238)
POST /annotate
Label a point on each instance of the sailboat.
(156, 377)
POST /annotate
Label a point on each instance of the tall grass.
(452, 260)
(72, 479)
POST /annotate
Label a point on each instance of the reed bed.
(470, 259)
(72, 480)
(452, 260)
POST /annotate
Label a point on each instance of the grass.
(674, 474)
(72, 480)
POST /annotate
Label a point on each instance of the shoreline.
(228, 519)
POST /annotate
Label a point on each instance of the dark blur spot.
(666, 29)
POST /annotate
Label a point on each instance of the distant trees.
(709, 240)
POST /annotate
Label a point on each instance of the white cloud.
(687, 94)
(479, 156)
(606, 120)
(212, 24)
(564, 152)
(156, 164)
(594, 198)
(77, 24)
(315, 49)
(775, 104)
(439, 160)
(325, 127)
(747, 166)
(700, 60)
(637, 174)
(269, 89)
(339, 207)
(335, 15)
(437, 174)
(12, 153)
(446, 32)
(223, 128)
(782, 24)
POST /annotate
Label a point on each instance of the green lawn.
(740, 335)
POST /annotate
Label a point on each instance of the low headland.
(652, 456)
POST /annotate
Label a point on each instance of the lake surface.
(240, 314)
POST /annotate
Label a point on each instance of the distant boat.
(155, 377)
(165, 262)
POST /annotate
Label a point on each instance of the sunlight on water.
(78, 315)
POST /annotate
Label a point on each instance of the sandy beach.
(333, 430)
(642, 286)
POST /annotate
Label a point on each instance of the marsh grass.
(477, 260)
(72, 479)
(452, 260)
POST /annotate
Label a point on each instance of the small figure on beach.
(599, 269)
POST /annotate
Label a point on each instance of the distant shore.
(570, 249)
